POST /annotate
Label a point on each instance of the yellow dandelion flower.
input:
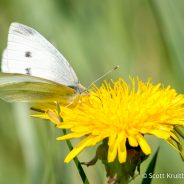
(123, 113)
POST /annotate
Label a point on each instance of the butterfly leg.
(70, 104)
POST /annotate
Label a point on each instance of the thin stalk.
(76, 160)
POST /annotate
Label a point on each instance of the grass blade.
(150, 169)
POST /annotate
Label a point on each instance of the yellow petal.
(161, 134)
(53, 117)
(122, 152)
(42, 116)
(70, 136)
(113, 146)
(89, 141)
(143, 144)
(132, 141)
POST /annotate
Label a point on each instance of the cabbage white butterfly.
(33, 70)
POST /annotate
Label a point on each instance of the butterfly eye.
(28, 54)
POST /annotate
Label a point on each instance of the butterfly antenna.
(104, 75)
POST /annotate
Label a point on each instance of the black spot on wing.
(23, 29)
(18, 31)
(28, 71)
(28, 54)
(28, 30)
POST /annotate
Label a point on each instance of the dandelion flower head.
(123, 113)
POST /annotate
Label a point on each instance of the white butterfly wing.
(25, 88)
(30, 53)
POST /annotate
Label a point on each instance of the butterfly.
(33, 70)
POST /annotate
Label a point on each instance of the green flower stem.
(69, 144)
(77, 163)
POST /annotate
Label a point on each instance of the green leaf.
(150, 169)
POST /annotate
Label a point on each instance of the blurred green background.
(146, 38)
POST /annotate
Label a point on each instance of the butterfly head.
(79, 88)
